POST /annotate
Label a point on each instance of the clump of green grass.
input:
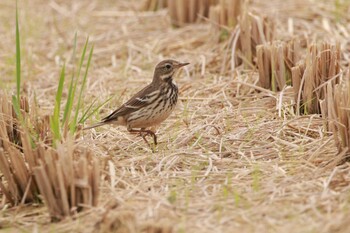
(39, 157)
(70, 120)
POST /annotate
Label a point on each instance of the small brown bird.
(150, 106)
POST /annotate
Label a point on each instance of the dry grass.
(234, 156)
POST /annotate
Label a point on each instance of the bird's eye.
(168, 66)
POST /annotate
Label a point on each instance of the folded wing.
(141, 99)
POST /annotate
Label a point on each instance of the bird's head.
(165, 70)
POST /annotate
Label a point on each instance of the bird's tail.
(95, 125)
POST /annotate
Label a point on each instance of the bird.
(151, 105)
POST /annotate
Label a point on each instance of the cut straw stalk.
(226, 13)
(183, 12)
(335, 108)
(12, 164)
(13, 190)
(321, 66)
(275, 62)
(281, 64)
(66, 177)
(154, 5)
(254, 30)
(66, 184)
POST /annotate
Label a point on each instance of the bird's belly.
(148, 117)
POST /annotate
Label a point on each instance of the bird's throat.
(168, 79)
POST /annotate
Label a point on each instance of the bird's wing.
(141, 99)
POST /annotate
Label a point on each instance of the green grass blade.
(75, 83)
(16, 98)
(82, 87)
(17, 108)
(59, 93)
(69, 103)
(81, 62)
(18, 59)
(87, 116)
(55, 119)
(73, 87)
(70, 100)
(83, 56)
(54, 129)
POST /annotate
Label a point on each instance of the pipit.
(150, 106)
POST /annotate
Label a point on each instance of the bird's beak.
(182, 64)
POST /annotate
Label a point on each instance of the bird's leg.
(134, 131)
(148, 132)
(144, 136)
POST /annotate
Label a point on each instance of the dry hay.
(233, 157)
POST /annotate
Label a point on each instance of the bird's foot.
(143, 133)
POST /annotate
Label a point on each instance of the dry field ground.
(234, 157)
